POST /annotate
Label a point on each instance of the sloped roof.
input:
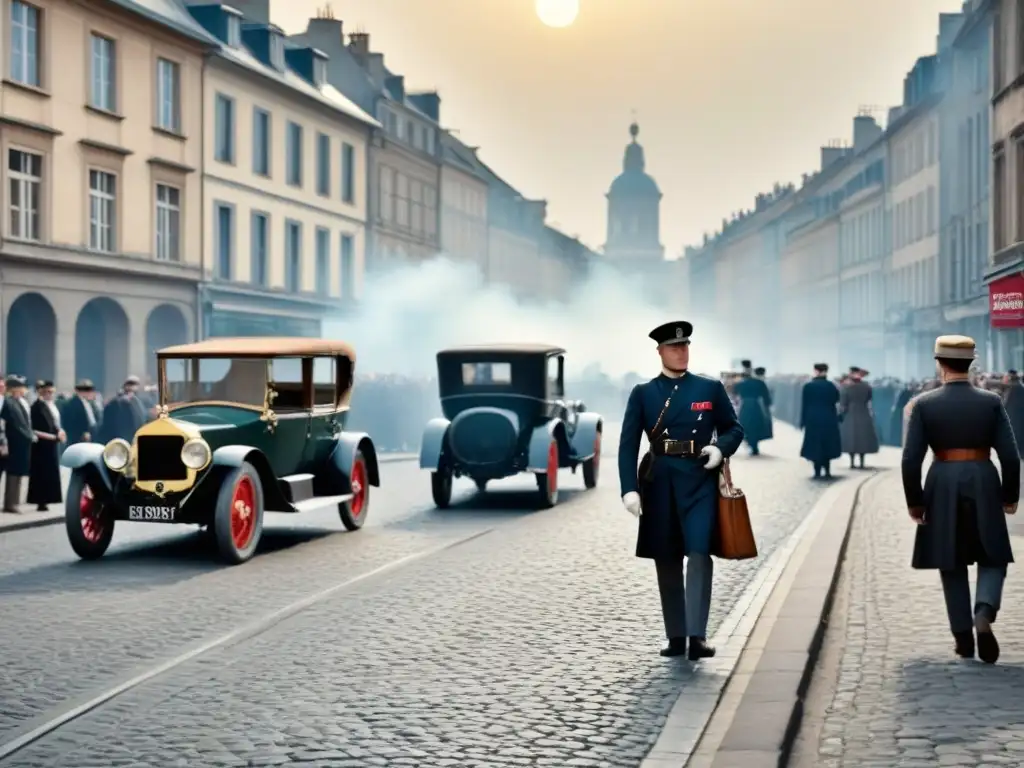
(172, 14)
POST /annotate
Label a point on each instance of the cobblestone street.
(534, 644)
(889, 690)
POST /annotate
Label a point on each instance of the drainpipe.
(200, 321)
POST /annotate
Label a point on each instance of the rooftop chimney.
(325, 32)
(832, 152)
(865, 132)
(396, 87)
(254, 11)
(429, 103)
(359, 45)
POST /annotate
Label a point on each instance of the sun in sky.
(558, 13)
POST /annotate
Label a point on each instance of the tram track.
(49, 723)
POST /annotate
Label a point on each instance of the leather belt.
(686, 449)
(963, 454)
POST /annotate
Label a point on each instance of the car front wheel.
(547, 482)
(353, 512)
(89, 527)
(592, 467)
(441, 487)
(238, 517)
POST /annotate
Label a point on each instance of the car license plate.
(154, 514)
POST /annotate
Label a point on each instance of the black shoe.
(700, 649)
(964, 644)
(42, 508)
(676, 647)
(988, 647)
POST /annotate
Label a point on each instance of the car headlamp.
(116, 454)
(196, 454)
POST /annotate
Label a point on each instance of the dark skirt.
(44, 486)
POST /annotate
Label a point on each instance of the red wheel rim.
(358, 484)
(89, 510)
(243, 512)
(596, 461)
(553, 469)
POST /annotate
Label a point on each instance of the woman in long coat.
(858, 426)
(44, 471)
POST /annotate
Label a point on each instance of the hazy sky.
(731, 95)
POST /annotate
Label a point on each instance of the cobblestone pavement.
(897, 695)
(532, 645)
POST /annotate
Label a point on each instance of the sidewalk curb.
(782, 653)
(24, 525)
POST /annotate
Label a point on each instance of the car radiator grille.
(159, 458)
(483, 438)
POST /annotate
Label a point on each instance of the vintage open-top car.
(244, 426)
(505, 413)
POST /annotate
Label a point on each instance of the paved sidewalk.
(888, 690)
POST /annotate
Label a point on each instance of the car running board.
(317, 502)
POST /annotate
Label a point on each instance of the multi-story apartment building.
(464, 236)
(284, 183)
(1005, 279)
(913, 313)
(965, 149)
(101, 246)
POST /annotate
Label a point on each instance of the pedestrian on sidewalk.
(18, 427)
(675, 492)
(858, 420)
(819, 419)
(961, 511)
(44, 476)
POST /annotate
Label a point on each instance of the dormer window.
(277, 51)
(234, 32)
(319, 72)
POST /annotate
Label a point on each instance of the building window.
(259, 240)
(103, 90)
(323, 164)
(225, 223)
(260, 142)
(293, 257)
(430, 204)
(348, 266)
(25, 176)
(323, 261)
(102, 211)
(348, 173)
(224, 129)
(168, 96)
(168, 222)
(999, 201)
(402, 200)
(276, 51)
(319, 72)
(293, 151)
(416, 205)
(387, 193)
(234, 32)
(25, 43)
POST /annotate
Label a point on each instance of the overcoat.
(858, 420)
(18, 427)
(963, 500)
(1014, 403)
(76, 421)
(755, 408)
(44, 477)
(680, 503)
(819, 420)
(122, 417)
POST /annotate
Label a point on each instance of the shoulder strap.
(661, 416)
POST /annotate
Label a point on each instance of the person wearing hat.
(819, 419)
(754, 410)
(961, 509)
(20, 437)
(857, 430)
(761, 373)
(44, 475)
(691, 427)
(124, 414)
(79, 415)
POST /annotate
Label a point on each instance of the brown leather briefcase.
(734, 536)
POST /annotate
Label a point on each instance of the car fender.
(587, 427)
(344, 455)
(432, 447)
(229, 457)
(88, 458)
(540, 439)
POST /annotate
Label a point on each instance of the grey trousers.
(685, 604)
(12, 493)
(988, 596)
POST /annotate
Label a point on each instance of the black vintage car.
(244, 426)
(505, 412)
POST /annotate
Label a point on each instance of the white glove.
(714, 454)
(631, 501)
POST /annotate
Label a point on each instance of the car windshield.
(190, 380)
(486, 374)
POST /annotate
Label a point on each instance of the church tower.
(634, 220)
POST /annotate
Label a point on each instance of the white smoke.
(408, 314)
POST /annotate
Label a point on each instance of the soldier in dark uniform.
(819, 419)
(692, 427)
(755, 401)
(961, 511)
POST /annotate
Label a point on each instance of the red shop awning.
(1006, 301)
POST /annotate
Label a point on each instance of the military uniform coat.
(959, 415)
(858, 425)
(819, 420)
(1013, 401)
(680, 504)
(755, 408)
(44, 477)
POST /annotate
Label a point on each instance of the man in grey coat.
(857, 429)
(960, 512)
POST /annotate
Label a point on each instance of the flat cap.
(759, 371)
(745, 363)
(15, 381)
(132, 381)
(676, 332)
(955, 348)
(43, 384)
(85, 385)
(821, 367)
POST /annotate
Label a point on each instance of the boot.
(699, 649)
(676, 647)
(988, 647)
(964, 644)
(862, 461)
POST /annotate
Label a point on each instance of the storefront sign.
(1006, 301)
